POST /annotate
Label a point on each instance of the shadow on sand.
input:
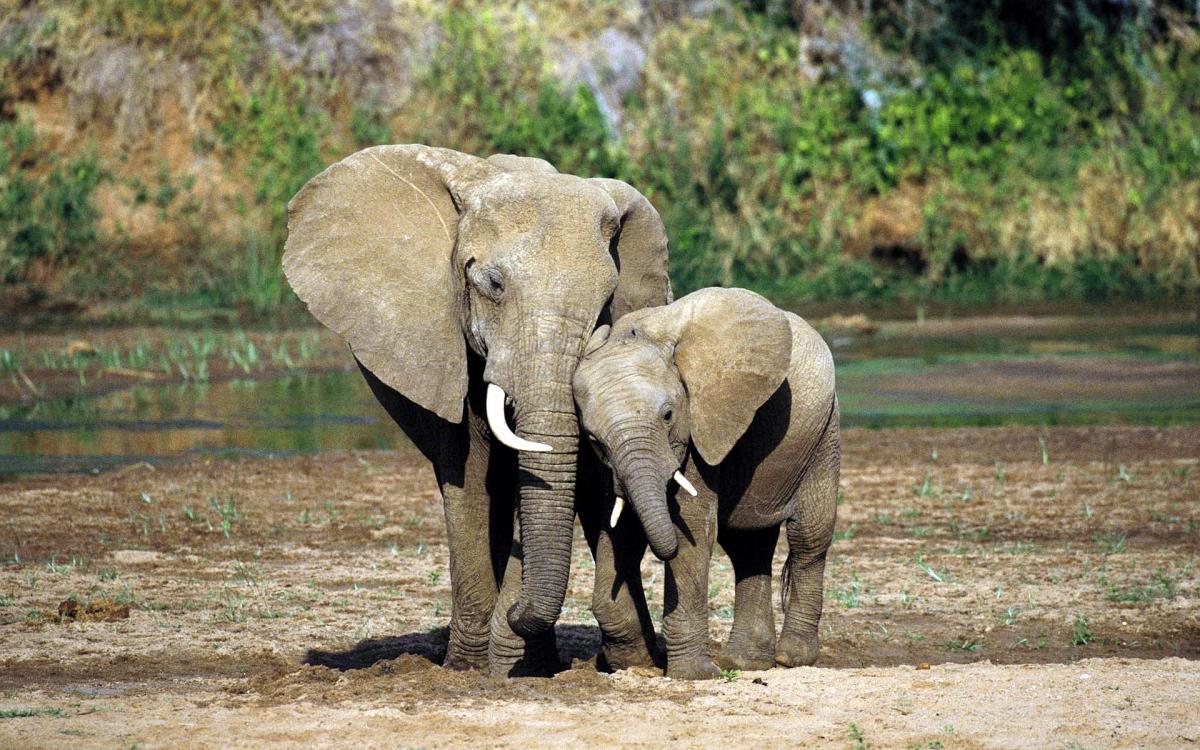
(575, 642)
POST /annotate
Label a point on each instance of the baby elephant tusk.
(685, 484)
(618, 506)
(495, 419)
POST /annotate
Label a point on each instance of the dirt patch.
(1047, 577)
(101, 610)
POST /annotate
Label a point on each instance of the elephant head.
(693, 372)
(420, 257)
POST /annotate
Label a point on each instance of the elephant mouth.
(619, 502)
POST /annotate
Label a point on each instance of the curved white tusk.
(495, 418)
(618, 506)
(685, 484)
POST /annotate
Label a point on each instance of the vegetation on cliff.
(983, 151)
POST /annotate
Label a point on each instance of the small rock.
(857, 323)
(80, 346)
(135, 556)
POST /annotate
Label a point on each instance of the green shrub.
(764, 178)
(47, 216)
(1014, 154)
(487, 91)
(275, 126)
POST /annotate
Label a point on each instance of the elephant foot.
(618, 656)
(536, 657)
(797, 650)
(692, 668)
(745, 660)
(463, 661)
(748, 652)
(467, 648)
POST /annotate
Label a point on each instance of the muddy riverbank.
(1012, 586)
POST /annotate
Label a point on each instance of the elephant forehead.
(547, 194)
(638, 365)
(653, 324)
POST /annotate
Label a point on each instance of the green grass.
(845, 534)
(47, 214)
(1160, 586)
(849, 594)
(858, 740)
(1109, 543)
(1081, 631)
(21, 712)
(935, 575)
(228, 514)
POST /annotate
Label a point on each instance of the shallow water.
(1037, 371)
(297, 414)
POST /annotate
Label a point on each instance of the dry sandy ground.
(982, 593)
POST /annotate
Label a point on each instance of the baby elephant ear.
(597, 339)
(369, 251)
(733, 351)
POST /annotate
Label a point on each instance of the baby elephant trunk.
(648, 494)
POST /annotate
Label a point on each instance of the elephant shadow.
(575, 643)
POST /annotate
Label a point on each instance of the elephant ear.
(640, 251)
(733, 350)
(514, 163)
(369, 251)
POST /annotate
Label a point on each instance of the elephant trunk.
(546, 481)
(641, 475)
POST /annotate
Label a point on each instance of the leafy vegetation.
(965, 153)
(47, 215)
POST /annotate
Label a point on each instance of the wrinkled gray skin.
(445, 272)
(739, 396)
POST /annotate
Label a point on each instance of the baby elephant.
(734, 399)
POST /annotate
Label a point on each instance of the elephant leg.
(478, 528)
(751, 643)
(478, 501)
(627, 636)
(685, 602)
(510, 655)
(809, 533)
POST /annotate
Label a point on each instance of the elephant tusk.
(618, 506)
(685, 484)
(499, 427)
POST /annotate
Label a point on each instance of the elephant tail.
(785, 580)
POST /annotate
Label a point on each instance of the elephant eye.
(489, 281)
(668, 414)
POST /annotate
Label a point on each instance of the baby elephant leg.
(809, 533)
(751, 643)
(618, 600)
(685, 601)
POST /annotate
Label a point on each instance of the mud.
(1045, 577)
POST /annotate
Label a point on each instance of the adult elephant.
(461, 284)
